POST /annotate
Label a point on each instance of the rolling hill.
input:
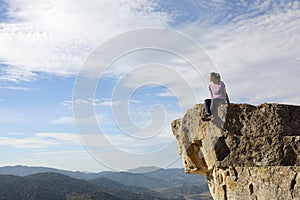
(158, 184)
(48, 186)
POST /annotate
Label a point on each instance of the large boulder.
(245, 151)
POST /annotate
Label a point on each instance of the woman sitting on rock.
(218, 95)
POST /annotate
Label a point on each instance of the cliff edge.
(245, 151)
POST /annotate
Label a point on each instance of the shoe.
(207, 117)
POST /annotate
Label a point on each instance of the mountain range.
(22, 182)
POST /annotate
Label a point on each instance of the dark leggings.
(207, 103)
(210, 105)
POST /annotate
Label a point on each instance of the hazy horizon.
(147, 168)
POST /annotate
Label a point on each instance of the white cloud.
(63, 120)
(244, 45)
(16, 74)
(69, 138)
(15, 133)
(134, 101)
(258, 56)
(67, 104)
(56, 36)
(40, 140)
(91, 101)
(85, 101)
(165, 94)
(109, 103)
(125, 143)
(103, 150)
(132, 150)
(18, 88)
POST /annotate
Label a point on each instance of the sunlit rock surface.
(245, 151)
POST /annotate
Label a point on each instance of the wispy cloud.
(81, 121)
(40, 36)
(15, 133)
(63, 120)
(256, 55)
(240, 36)
(165, 94)
(125, 142)
(67, 104)
(17, 88)
(90, 101)
(109, 103)
(134, 101)
(15, 73)
(40, 140)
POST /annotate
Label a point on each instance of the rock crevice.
(245, 151)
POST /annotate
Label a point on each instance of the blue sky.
(44, 46)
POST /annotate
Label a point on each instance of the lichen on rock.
(245, 151)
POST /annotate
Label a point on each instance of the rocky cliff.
(245, 151)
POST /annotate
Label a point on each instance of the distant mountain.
(20, 170)
(170, 183)
(174, 175)
(113, 184)
(161, 183)
(14, 188)
(144, 169)
(162, 178)
(135, 179)
(57, 186)
(177, 177)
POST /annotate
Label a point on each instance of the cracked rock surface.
(245, 151)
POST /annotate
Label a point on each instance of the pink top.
(217, 90)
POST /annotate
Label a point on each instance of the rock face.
(245, 151)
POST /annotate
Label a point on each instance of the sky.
(94, 85)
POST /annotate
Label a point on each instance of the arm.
(226, 95)
(211, 94)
